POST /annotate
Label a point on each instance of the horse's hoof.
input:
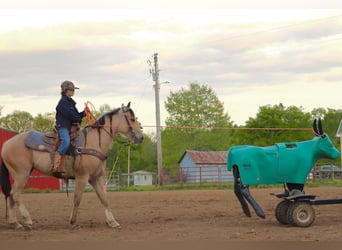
(116, 227)
(75, 227)
(113, 225)
(27, 227)
(17, 226)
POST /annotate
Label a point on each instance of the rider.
(66, 115)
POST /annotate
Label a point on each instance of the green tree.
(146, 155)
(275, 119)
(103, 109)
(44, 123)
(196, 121)
(19, 121)
(142, 156)
(197, 106)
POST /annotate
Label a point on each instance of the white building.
(142, 178)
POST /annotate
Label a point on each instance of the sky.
(251, 53)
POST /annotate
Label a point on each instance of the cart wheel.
(281, 212)
(301, 214)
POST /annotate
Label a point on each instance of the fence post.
(200, 175)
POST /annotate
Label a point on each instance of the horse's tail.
(5, 180)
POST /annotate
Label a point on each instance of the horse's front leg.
(98, 184)
(80, 183)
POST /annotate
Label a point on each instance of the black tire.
(281, 212)
(301, 214)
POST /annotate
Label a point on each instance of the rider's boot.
(57, 163)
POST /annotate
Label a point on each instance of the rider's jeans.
(65, 140)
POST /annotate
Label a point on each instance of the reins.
(90, 112)
(93, 122)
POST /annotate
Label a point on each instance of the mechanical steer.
(288, 163)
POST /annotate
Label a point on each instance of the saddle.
(49, 142)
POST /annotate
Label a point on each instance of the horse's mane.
(102, 119)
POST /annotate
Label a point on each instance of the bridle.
(100, 123)
(129, 123)
(123, 109)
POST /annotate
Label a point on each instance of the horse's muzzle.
(137, 138)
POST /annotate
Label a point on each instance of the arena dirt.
(213, 215)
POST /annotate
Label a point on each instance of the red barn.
(37, 180)
(5, 134)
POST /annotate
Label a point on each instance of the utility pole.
(128, 165)
(339, 134)
(155, 74)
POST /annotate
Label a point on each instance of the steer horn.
(317, 128)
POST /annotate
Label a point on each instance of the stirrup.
(58, 169)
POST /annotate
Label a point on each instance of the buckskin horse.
(86, 163)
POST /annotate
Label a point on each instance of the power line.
(225, 128)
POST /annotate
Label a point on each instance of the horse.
(86, 165)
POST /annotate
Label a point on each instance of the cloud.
(247, 63)
(166, 4)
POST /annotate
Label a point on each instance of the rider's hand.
(86, 109)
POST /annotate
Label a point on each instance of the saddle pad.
(35, 140)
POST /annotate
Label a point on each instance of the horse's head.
(129, 126)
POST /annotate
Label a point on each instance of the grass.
(225, 186)
(195, 186)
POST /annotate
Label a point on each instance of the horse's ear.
(129, 105)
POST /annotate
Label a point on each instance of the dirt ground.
(171, 216)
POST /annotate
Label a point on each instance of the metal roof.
(207, 157)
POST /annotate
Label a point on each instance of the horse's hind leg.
(99, 186)
(26, 217)
(12, 214)
(15, 203)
